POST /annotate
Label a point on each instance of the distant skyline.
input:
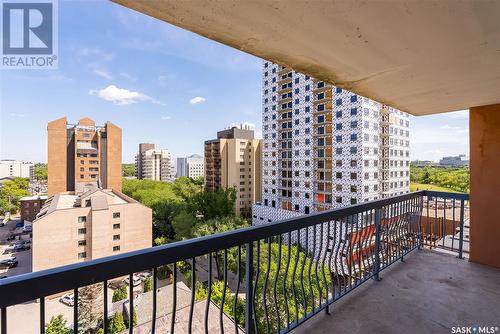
(160, 84)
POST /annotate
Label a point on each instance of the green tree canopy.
(57, 325)
(120, 294)
(128, 170)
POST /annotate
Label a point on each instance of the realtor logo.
(29, 34)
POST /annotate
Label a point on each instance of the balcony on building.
(423, 262)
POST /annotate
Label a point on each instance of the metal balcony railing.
(267, 278)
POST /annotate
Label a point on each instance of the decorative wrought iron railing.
(262, 279)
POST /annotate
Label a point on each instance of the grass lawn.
(421, 186)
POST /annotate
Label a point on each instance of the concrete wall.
(485, 185)
(114, 157)
(57, 160)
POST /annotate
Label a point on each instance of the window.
(82, 242)
(82, 230)
(82, 219)
(116, 237)
(82, 255)
(116, 215)
(116, 248)
(116, 226)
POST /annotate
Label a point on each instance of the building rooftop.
(97, 199)
(31, 198)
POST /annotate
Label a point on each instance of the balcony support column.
(484, 124)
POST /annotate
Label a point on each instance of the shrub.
(120, 294)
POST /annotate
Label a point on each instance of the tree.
(116, 324)
(134, 319)
(120, 294)
(215, 204)
(163, 215)
(312, 286)
(41, 171)
(90, 312)
(182, 225)
(11, 192)
(148, 284)
(128, 170)
(57, 325)
(185, 187)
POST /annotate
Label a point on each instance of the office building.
(154, 164)
(325, 147)
(456, 161)
(234, 160)
(31, 206)
(192, 166)
(73, 227)
(83, 156)
(15, 168)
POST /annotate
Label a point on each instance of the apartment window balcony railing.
(317, 259)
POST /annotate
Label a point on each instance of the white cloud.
(96, 52)
(17, 115)
(197, 99)
(165, 118)
(103, 74)
(128, 76)
(448, 127)
(120, 96)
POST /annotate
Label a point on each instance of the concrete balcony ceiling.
(422, 57)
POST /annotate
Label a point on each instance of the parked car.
(8, 264)
(68, 299)
(144, 275)
(116, 284)
(21, 247)
(136, 280)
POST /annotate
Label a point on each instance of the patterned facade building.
(325, 147)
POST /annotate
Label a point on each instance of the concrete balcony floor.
(430, 293)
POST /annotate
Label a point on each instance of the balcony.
(317, 260)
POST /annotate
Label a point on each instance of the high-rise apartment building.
(234, 160)
(154, 164)
(15, 168)
(143, 147)
(192, 166)
(83, 156)
(325, 147)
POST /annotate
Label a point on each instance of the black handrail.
(367, 237)
(19, 289)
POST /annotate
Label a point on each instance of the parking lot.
(23, 257)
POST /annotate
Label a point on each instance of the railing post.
(461, 241)
(249, 289)
(376, 268)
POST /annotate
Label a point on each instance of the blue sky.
(161, 84)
